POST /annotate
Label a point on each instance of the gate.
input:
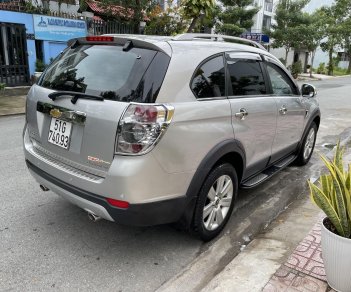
(14, 70)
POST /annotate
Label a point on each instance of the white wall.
(280, 53)
(54, 7)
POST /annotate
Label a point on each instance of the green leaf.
(323, 203)
(337, 179)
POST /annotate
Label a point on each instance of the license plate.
(60, 133)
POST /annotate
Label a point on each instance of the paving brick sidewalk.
(11, 105)
(13, 100)
(304, 269)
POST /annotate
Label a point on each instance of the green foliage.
(2, 86)
(194, 10)
(288, 32)
(340, 71)
(237, 16)
(333, 193)
(296, 68)
(32, 9)
(39, 65)
(133, 11)
(333, 19)
(321, 69)
(167, 22)
(345, 30)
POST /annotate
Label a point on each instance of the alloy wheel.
(309, 144)
(218, 201)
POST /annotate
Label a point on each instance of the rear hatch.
(74, 109)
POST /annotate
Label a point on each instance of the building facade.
(29, 39)
(17, 48)
(263, 19)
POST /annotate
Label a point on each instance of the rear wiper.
(75, 95)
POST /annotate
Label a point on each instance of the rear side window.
(246, 77)
(209, 79)
(108, 71)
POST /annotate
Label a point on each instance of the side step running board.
(267, 173)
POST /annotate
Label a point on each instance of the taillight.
(141, 127)
(99, 39)
(118, 203)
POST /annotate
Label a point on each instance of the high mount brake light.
(141, 127)
(99, 39)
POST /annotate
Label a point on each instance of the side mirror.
(308, 90)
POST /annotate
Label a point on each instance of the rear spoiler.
(118, 40)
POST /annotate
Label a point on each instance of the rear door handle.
(283, 110)
(241, 114)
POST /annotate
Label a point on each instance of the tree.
(237, 16)
(345, 28)
(346, 35)
(332, 18)
(312, 34)
(168, 22)
(132, 10)
(289, 23)
(196, 10)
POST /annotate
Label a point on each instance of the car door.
(291, 110)
(254, 111)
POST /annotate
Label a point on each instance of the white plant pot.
(37, 74)
(336, 253)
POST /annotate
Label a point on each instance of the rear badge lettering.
(98, 162)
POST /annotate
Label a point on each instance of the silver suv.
(146, 130)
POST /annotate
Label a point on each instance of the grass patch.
(340, 72)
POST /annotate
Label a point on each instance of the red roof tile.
(115, 10)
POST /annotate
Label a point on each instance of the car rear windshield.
(108, 71)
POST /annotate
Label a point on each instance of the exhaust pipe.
(44, 188)
(93, 217)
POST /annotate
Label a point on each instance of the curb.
(12, 115)
(15, 91)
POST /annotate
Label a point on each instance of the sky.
(314, 4)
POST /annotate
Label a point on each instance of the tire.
(214, 206)
(309, 141)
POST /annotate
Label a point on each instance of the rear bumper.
(146, 214)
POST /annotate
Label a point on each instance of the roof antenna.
(127, 46)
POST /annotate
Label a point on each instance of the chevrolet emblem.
(55, 113)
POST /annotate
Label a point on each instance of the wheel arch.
(230, 151)
(314, 118)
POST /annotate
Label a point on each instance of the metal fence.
(105, 27)
(14, 68)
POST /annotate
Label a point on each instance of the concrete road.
(48, 244)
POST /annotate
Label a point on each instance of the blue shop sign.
(257, 37)
(50, 28)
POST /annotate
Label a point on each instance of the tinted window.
(209, 80)
(108, 71)
(281, 83)
(246, 77)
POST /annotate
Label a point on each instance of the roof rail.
(216, 37)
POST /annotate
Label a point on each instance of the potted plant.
(39, 68)
(333, 196)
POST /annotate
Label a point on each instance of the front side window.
(281, 84)
(209, 79)
(246, 77)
